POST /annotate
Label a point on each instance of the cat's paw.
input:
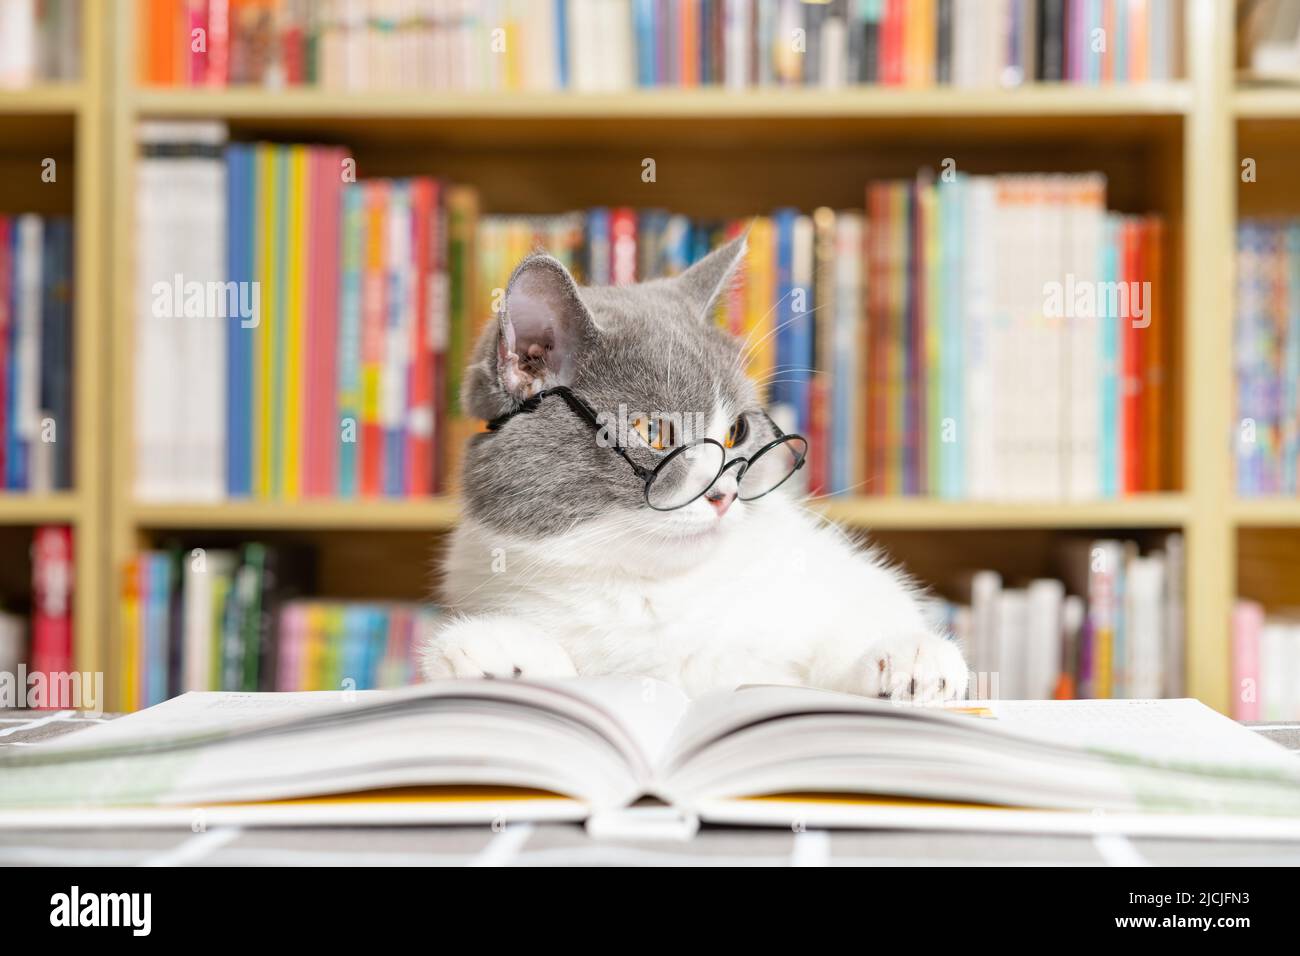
(494, 646)
(921, 668)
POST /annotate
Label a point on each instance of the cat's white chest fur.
(775, 596)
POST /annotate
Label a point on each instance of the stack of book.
(298, 350)
(36, 338)
(610, 45)
(40, 42)
(235, 619)
(1113, 627)
(1268, 356)
(1265, 663)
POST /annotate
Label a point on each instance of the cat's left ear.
(703, 282)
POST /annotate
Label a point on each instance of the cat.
(559, 566)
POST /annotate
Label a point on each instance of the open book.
(492, 750)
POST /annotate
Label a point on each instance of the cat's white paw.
(494, 646)
(921, 667)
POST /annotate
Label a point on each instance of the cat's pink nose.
(721, 500)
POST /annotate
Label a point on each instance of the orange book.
(1156, 437)
(1108, 29)
(689, 51)
(1137, 41)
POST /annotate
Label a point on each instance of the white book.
(1144, 582)
(985, 588)
(538, 35)
(17, 43)
(1175, 637)
(980, 266)
(1274, 638)
(1011, 640)
(834, 52)
(200, 623)
(1045, 603)
(1083, 366)
(595, 748)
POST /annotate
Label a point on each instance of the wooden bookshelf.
(65, 122)
(1168, 148)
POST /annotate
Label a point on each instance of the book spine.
(373, 318)
(52, 609)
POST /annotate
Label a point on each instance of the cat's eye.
(659, 432)
(737, 433)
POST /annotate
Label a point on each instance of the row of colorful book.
(40, 42)
(36, 349)
(980, 337)
(1112, 626)
(236, 619)
(38, 637)
(1265, 663)
(1267, 357)
(293, 321)
(607, 45)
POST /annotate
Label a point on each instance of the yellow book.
(130, 659)
(760, 305)
(263, 351)
(294, 317)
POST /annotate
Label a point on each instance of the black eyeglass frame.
(588, 414)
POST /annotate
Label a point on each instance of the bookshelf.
(1170, 148)
(66, 122)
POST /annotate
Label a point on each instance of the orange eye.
(659, 433)
(737, 433)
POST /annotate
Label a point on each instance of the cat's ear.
(543, 327)
(703, 282)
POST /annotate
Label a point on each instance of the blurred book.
(1267, 356)
(1265, 663)
(36, 353)
(613, 45)
(239, 619)
(40, 42)
(1110, 629)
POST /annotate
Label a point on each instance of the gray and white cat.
(560, 567)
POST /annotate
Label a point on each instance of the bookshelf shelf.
(66, 98)
(1267, 103)
(1033, 104)
(1146, 511)
(436, 514)
(1266, 513)
(20, 509)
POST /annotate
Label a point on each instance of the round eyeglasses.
(691, 470)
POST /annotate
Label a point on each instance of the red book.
(891, 43)
(196, 18)
(419, 409)
(320, 420)
(622, 246)
(218, 72)
(439, 331)
(1132, 340)
(6, 278)
(52, 611)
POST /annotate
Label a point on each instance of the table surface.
(569, 845)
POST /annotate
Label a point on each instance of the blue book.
(782, 391)
(376, 624)
(1108, 326)
(1291, 362)
(599, 265)
(562, 43)
(240, 247)
(1117, 44)
(157, 615)
(16, 470)
(349, 355)
(647, 55)
(1091, 58)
